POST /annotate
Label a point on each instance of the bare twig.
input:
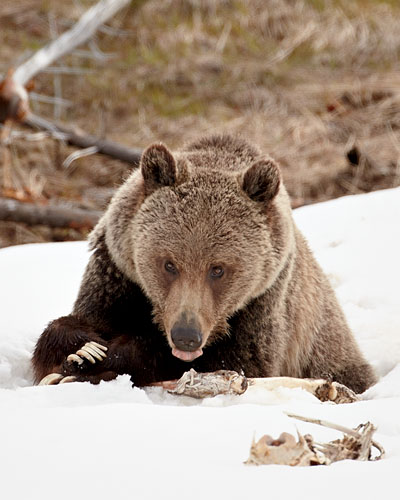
(79, 154)
(66, 70)
(59, 101)
(285, 52)
(219, 48)
(5, 154)
(57, 78)
(99, 54)
(26, 136)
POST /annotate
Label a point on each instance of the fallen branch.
(49, 215)
(76, 137)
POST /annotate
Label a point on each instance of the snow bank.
(110, 440)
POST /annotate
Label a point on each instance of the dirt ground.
(315, 83)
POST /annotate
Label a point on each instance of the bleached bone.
(356, 444)
(323, 389)
(202, 385)
(285, 451)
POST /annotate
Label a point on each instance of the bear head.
(201, 238)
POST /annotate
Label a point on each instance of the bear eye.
(216, 272)
(169, 267)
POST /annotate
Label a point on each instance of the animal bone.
(355, 445)
(284, 451)
(203, 385)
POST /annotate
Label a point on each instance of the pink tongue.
(187, 355)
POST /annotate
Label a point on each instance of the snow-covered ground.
(112, 441)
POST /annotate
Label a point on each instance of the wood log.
(49, 215)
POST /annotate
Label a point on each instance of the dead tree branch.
(75, 137)
(77, 35)
(14, 101)
(49, 215)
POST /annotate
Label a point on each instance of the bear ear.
(158, 167)
(261, 181)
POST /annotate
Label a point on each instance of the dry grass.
(306, 80)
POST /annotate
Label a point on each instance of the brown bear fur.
(204, 236)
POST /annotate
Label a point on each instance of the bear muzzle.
(187, 339)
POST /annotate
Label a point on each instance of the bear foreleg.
(71, 350)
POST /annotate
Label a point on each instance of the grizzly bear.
(197, 263)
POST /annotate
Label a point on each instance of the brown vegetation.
(315, 83)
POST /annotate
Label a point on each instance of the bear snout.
(187, 339)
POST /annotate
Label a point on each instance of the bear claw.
(51, 379)
(75, 359)
(101, 347)
(94, 351)
(86, 354)
(57, 378)
(66, 380)
(90, 351)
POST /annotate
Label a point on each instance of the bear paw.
(91, 352)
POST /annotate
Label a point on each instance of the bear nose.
(186, 338)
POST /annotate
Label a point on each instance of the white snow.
(112, 441)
